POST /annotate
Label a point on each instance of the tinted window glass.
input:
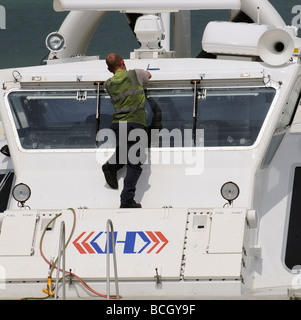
(293, 245)
(233, 117)
(6, 180)
(55, 120)
(176, 117)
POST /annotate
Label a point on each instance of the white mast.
(78, 29)
(182, 34)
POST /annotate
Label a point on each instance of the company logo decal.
(135, 242)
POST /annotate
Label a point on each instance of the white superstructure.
(219, 190)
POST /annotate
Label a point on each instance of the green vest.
(127, 96)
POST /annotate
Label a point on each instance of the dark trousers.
(121, 158)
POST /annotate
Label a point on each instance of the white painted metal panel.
(214, 244)
(227, 231)
(17, 233)
(214, 266)
(146, 240)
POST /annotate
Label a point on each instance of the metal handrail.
(62, 251)
(110, 225)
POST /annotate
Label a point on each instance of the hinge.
(81, 96)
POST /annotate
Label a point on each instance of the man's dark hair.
(114, 60)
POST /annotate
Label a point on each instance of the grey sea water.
(28, 22)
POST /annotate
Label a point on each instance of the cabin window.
(56, 120)
(169, 113)
(286, 120)
(233, 117)
(293, 244)
(228, 117)
(6, 180)
(67, 119)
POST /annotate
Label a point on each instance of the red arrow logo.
(163, 239)
(77, 245)
(156, 240)
(86, 245)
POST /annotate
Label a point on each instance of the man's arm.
(149, 74)
(143, 76)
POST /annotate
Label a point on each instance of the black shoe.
(110, 176)
(131, 204)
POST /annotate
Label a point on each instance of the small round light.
(21, 192)
(230, 191)
(55, 42)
